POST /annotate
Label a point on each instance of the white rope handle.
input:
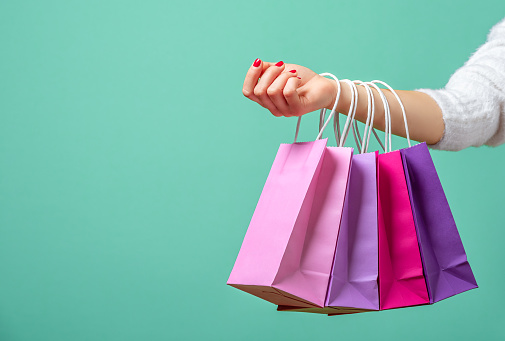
(323, 111)
(333, 110)
(370, 124)
(322, 116)
(387, 120)
(401, 105)
(352, 111)
(336, 123)
(355, 127)
(369, 118)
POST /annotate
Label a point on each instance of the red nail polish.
(279, 63)
(292, 71)
(298, 77)
(257, 62)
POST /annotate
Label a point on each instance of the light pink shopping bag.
(287, 253)
(353, 285)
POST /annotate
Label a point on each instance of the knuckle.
(272, 91)
(288, 92)
(247, 93)
(259, 92)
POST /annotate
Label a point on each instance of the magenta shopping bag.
(401, 279)
(288, 250)
(445, 264)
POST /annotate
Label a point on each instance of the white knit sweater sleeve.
(473, 101)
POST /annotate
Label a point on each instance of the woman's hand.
(294, 90)
(288, 89)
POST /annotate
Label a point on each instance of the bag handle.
(355, 128)
(362, 147)
(367, 133)
(389, 112)
(336, 123)
(387, 143)
(352, 112)
(321, 117)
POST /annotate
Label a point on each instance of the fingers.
(292, 97)
(276, 91)
(265, 83)
(261, 89)
(251, 79)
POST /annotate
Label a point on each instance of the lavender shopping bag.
(287, 252)
(445, 264)
(353, 282)
(354, 278)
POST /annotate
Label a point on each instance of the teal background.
(130, 162)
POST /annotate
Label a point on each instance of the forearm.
(424, 116)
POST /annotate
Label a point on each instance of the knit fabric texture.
(473, 101)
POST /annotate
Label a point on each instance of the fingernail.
(298, 77)
(257, 62)
(279, 63)
(292, 71)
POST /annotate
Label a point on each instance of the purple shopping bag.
(445, 264)
(288, 250)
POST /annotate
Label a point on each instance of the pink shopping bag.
(287, 252)
(353, 285)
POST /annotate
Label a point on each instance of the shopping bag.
(330, 311)
(353, 283)
(288, 250)
(354, 278)
(445, 264)
(401, 279)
